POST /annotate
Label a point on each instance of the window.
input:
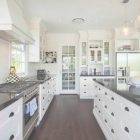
(18, 58)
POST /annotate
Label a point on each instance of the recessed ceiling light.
(78, 20)
(125, 1)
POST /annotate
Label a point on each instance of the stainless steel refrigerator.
(128, 65)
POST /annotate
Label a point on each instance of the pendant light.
(125, 28)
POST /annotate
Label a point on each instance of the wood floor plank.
(69, 118)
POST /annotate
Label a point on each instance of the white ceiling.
(99, 14)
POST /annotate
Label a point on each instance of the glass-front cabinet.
(68, 68)
(106, 53)
(95, 52)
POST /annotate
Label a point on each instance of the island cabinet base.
(118, 117)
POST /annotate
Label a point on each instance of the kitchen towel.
(27, 108)
(33, 106)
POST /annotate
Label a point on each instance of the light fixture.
(125, 28)
(78, 20)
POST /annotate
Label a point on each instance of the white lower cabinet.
(118, 117)
(46, 93)
(11, 119)
(87, 87)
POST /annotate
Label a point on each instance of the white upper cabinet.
(39, 33)
(13, 24)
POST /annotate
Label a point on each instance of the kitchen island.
(117, 110)
(87, 85)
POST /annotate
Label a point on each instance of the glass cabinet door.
(99, 55)
(106, 53)
(84, 53)
(68, 68)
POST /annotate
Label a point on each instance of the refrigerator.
(128, 65)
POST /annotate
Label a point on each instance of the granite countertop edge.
(119, 93)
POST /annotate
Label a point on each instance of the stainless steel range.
(29, 91)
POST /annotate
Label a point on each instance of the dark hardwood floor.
(69, 118)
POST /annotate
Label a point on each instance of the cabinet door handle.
(105, 93)
(112, 130)
(43, 87)
(105, 120)
(112, 114)
(99, 100)
(85, 92)
(43, 109)
(43, 98)
(126, 129)
(99, 111)
(96, 96)
(99, 89)
(84, 85)
(85, 79)
(112, 98)
(105, 106)
(12, 137)
(96, 106)
(11, 114)
(126, 109)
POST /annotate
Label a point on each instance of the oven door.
(30, 115)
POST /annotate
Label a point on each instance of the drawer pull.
(105, 106)
(112, 98)
(105, 93)
(11, 114)
(126, 109)
(126, 129)
(112, 114)
(99, 100)
(85, 79)
(84, 85)
(105, 120)
(112, 130)
(99, 89)
(99, 111)
(12, 137)
(43, 98)
(85, 92)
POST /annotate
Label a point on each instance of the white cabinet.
(87, 87)
(117, 117)
(47, 91)
(11, 119)
(95, 51)
(36, 52)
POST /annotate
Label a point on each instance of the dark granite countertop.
(97, 75)
(130, 92)
(13, 89)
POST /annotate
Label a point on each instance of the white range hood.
(13, 25)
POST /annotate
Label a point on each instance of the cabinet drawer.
(10, 112)
(10, 130)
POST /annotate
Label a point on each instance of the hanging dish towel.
(27, 108)
(33, 106)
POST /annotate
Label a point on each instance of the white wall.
(4, 60)
(55, 41)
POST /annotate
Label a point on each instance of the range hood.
(13, 25)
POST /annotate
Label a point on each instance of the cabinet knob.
(99, 111)
(105, 120)
(43, 109)
(105, 106)
(12, 137)
(105, 93)
(11, 114)
(112, 114)
(112, 130)
(43, 87)
(84, 85)
(99, 100)
(99, 89)
(126, 109)
(126, 129)
(43, 98)
(112, 98)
